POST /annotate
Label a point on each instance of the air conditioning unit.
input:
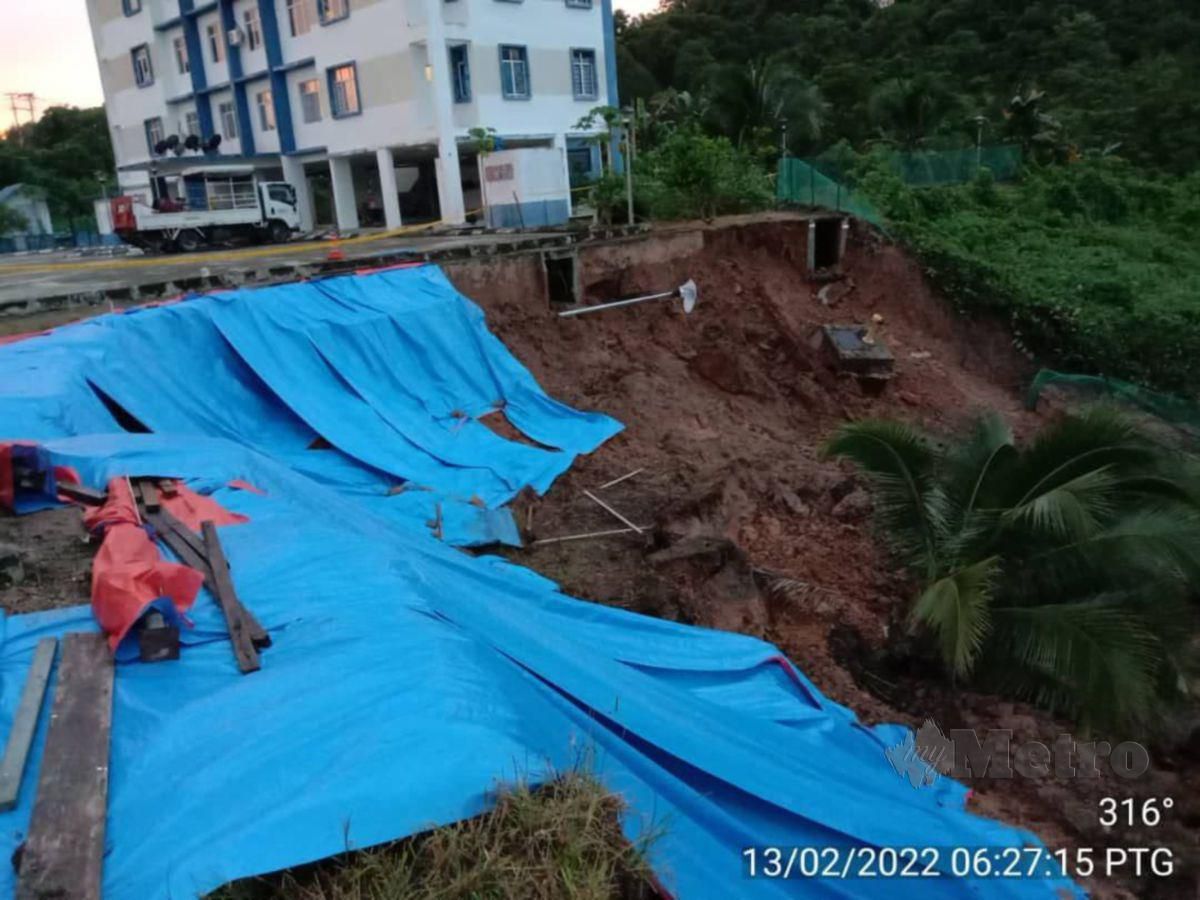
(234, 37)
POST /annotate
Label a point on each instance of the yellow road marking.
(225, 255)
(215, 256)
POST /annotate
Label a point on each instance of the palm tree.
(909, 110)
(1061, 572)
(751, 102)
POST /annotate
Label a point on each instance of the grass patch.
(562, 840)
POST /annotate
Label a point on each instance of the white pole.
(581, 537)
(612, 511)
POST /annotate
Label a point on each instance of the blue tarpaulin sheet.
(408, 679)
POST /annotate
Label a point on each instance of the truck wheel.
(188, 240)
(151, 242)
(278, 233)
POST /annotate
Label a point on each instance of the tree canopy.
(67, 153)
(922, 72)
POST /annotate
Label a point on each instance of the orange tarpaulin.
(129, 574)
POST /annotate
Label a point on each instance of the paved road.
(39, 276)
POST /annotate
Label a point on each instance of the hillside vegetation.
(1094, 265)
(918, 73)
(1090, 254)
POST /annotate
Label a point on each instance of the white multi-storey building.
(364, 106)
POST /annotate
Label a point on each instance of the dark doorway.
(827, 244)
(562, 279)
(321, 187)
(417, 185)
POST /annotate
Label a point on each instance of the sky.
(46, 49)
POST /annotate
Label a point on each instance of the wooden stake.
(590, 534)
(20, 736)
(592, 496)
(609, 484)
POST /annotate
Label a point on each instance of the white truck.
(201, 207)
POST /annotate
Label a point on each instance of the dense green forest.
(1107, 75)
(67, 154)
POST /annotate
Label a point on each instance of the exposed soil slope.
(725, 413)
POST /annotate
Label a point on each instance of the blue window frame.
(460, 73)
(514, 72)
(332, 10)
(131, 7)
(143, 71)
(584, 84)
(580, 4)
(344, 99)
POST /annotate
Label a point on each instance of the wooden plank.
(239, 634)
(150, 498)
(184, 533)
(189, 548)
(84, 495)
(63, 856)
(24, 726)
(164, 525)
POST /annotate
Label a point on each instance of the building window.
(154, 134)
(181, 57)
(332, 10)
(143, 72)
(191, 124)
(266, 111)
(131, 7)
(228, 116)
(583, 74)
(580, 4)
(299, 16)
(514, 72)
(216, 44)
(310, 100)
(460, 73)
(253, 30)
(343, 91)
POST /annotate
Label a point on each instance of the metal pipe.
(590, 534)
(616, 303)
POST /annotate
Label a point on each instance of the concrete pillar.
(560, 144)
(449, 175)
(387, 187)
(293, 174)
(345, 206)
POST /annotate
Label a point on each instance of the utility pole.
(980, 121)
(21, 102)
(630, 149)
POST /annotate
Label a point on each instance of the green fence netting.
(1168, 407)
(800, 183)
(931, 168)
(928, 168)
(822, 183)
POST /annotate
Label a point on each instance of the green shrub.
(1094, 265)
(692, 175)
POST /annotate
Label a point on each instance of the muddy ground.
(746, 528)
(749, 530)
